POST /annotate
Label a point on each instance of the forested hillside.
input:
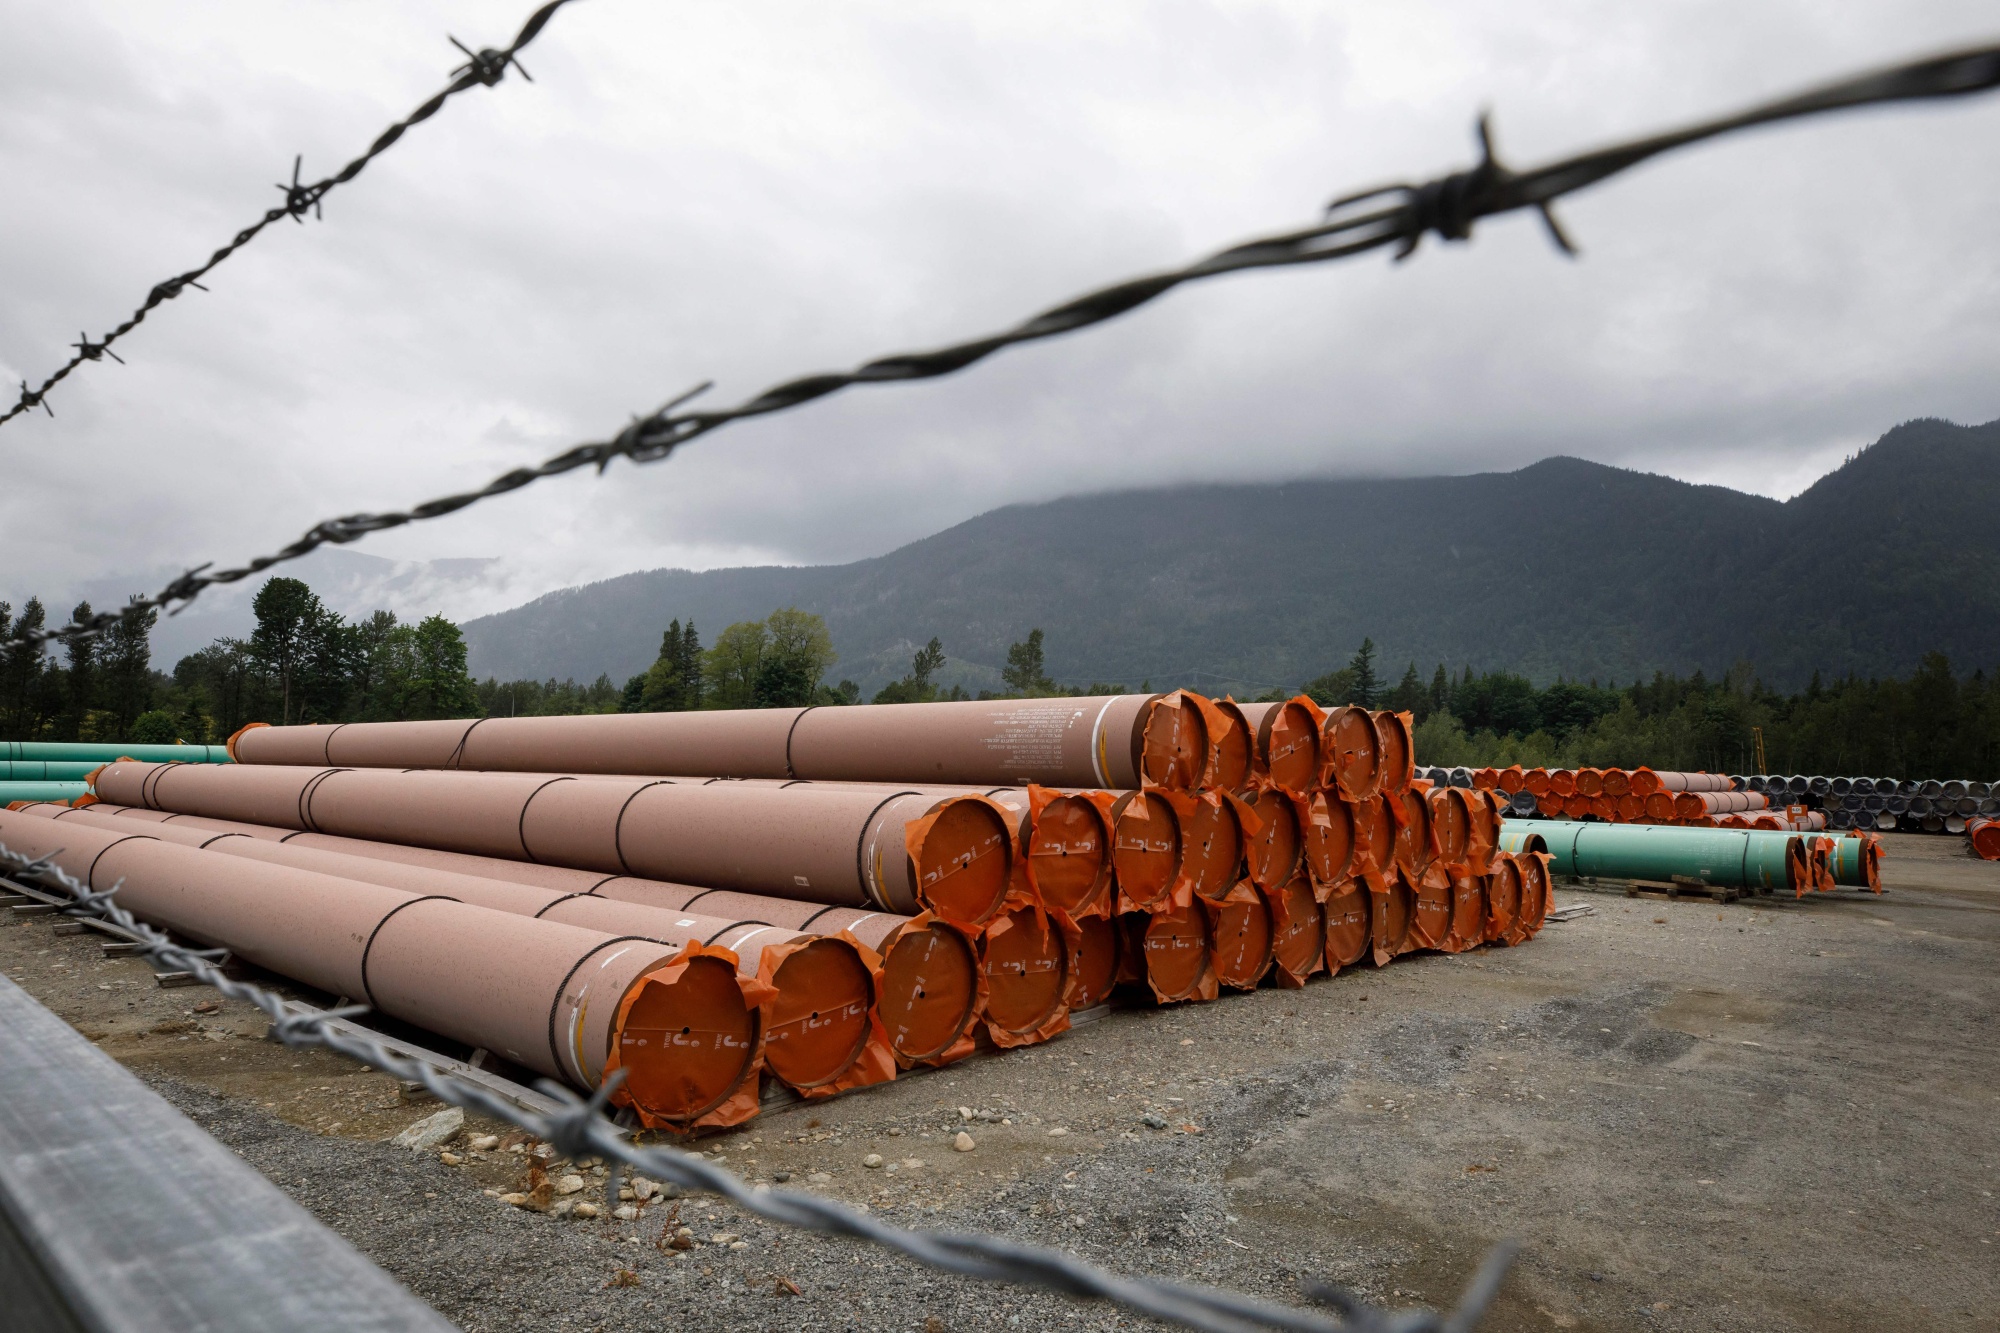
(1565, 568)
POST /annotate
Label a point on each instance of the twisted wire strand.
(1397, 214)
(580, 1130)
(483, 68)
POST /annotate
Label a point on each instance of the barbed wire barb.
(1398, 214)
(579, 1130)
(484, 70)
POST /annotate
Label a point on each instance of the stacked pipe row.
(1636, 796)
(59, 770)
(1908, 805)
(879, 886)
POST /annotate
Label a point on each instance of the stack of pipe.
(33, 771)
(881, 886)
(1638, 796)
(1911, 805)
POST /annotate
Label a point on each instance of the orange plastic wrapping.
(740, 1103)
(1350, 759)
(876, 1060)
(1329, 840)
(1349, 915)
(1211, 843)
(1503, 897)
(1396, 751)
(984, 854)
(1174, 946)
(1025, 955)
(1299, 948)
(1273, 845)
(1068, 856)
(1099, 965)
(1146, 853)
(963, 1011)
(1241, 934)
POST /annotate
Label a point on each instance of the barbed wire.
(482, 68)
(580, 1131)
(1399, 215)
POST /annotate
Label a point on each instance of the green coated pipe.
(1520, 835)
(1855, 861)
(1727, 858)
(103, 752)
(41, 791)
(46, 770)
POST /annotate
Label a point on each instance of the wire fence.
(482, 69)
(581, 1131)
(1399, 215)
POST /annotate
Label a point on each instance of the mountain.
(1565, 567)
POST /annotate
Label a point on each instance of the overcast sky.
(748, 191)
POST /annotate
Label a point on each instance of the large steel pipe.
(928, 995)
(562, 1000)
(46, 770)
(1106, 741)
(17, 793)
(1730, 858)
(1285, 743)
(856, 848)
(818, 1029)
(103, 752)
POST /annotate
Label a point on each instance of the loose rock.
(569, 1184)
(585, 1210)
(484, 1142)
(872, 1160)
(963, 1143)
(433, 1131)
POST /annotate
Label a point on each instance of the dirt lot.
(1777, 1116)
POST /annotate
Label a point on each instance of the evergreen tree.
(287, 614)
(673, 682)
(916, 688)
(1440, 690)
(127, 658)
(24, 693)
(81, 682)
(1366, 687)
(1025, 673)
(1410, 696)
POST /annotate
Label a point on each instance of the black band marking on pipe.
(204, 846)
(618, 824)
(763, 925)
(789, 732)
(306, 793)
(457, 755)
(369, 947)
(555, 1001)
(90, 874)
(558, 902)
(874, 894)
(521, 819)
(326, 749)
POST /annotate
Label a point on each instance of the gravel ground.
(1774, 1116)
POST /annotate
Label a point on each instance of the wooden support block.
(31, 909)
(119, 948)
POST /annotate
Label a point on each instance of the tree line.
(302, 663)
(1936, 723)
